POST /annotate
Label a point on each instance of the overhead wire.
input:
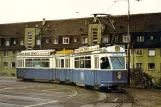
(111, 25)
(110, 6)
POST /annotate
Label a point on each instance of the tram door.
(96, 71)
(59, 74)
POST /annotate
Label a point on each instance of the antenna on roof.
(43, 22)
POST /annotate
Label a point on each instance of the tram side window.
(20, 63)
(105, 63)
(87, 62)
(62, 63)
(45, 62)
(28, 63)
(82, 63)
(76, 62)
(36, 63)
(67, 63)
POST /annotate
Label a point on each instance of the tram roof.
(53, 50)
(97, 49)
(36, 52)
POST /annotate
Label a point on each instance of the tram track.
(125, 100)
(102, 102)
(116, 99)
(122, 103)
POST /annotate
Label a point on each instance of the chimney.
(95, 17)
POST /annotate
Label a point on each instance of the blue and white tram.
(100, 67)
(63, 67)
(35, 64)
(91, 66)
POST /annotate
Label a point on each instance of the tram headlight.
(119, 75)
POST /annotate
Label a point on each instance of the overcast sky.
(12, 11)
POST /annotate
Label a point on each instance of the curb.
(102, 97)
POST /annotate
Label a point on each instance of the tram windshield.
(118, 62)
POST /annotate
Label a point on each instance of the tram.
(89, 65)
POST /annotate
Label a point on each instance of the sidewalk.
(145, 97)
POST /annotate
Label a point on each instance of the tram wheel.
(62, 82)
(88, 86)
(96, 87)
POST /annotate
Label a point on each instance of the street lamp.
(128, 46)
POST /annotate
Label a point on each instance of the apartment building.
(145, 41)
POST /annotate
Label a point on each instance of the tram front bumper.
(113, 83)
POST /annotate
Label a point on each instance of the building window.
(126, 50)
(47, 40)
(38, 42)
(13, 53)
(14, 42)
(151, 37)
(5, 53)
(94, 34)
(7, 42)
(116, 38)
(140, 38)
(125, 39)
(121, 27)
(13, 64)
(55, 41)
(29, 33)
(151, 52)
(29, 36)
(151, 26)
(21, 42)
(105, 39)
(94, 29)
(139, 65)
(151, 66)
(139, 52)
(65, 40)
(75, 40)
(5, 64)
(84, 40)
(122, 46)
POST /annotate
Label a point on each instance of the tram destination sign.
(86, 49)
(34, 54)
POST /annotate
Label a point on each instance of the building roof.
(138, 23)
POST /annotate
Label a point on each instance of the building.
(145, 41)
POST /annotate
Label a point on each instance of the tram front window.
(105, 63)
(118, 62)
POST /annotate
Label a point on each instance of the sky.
(13, 11)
